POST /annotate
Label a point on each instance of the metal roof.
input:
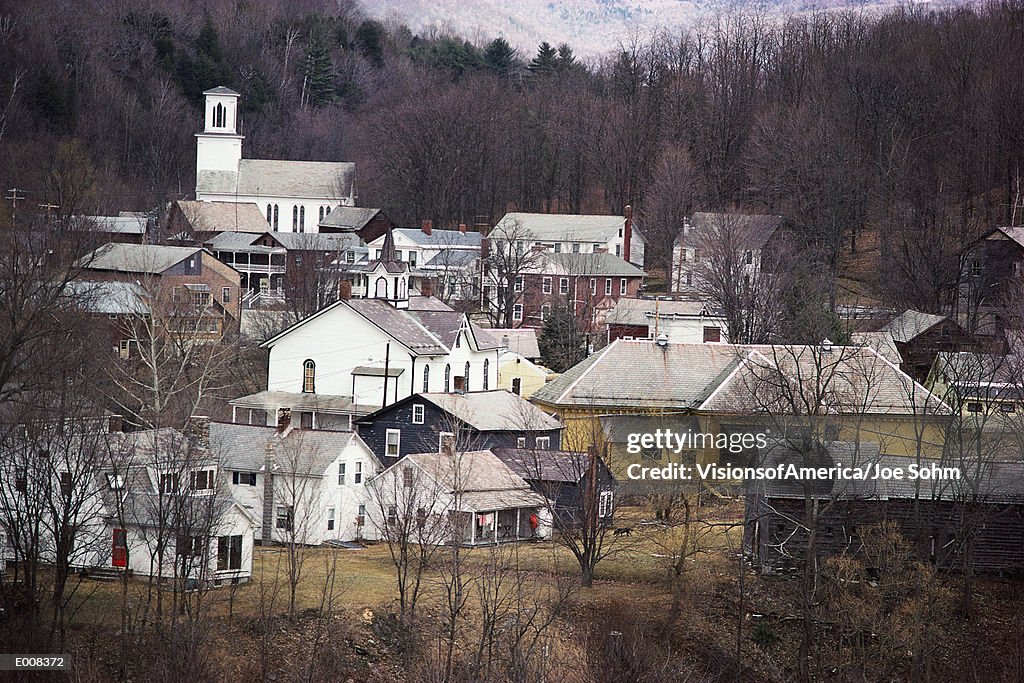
(124, 224)
(549, 227)
(520, 340)
(325, 180)
(440, 238)
(485, 483)
(639, 312)
(137, 258)
(592, 264)
(111, 298)
(218, 216)
(295, 451)
(272, 400)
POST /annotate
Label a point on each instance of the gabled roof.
(150, 259)
(484, 482)
(311, 241)
(325, 180)
(521, 340)
(911, 324)
(733, 379)
(493, 411)
(349, 218)
(978, 369)
(130, 224)
(401, 325)
(427, 303)
(219, 216)
(752, 231)
(306, 452)
(592, 264)
(549, 227)
(1014, 233)
(452, 239)
(298, 401)
(451, 258)
(544, 465)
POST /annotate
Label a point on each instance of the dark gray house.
(478, 420)
(563, 477)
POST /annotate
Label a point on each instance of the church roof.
(221, 90)
(277, 178)
(388, 257)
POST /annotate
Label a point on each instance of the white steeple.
(219, 146)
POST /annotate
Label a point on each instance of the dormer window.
(115, 481)
(202, 480)
(308, 377)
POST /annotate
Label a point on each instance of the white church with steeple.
(294, 195)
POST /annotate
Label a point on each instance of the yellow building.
(840, 393)
(520, 375)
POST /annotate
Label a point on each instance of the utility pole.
(15, 195)
(48, 207)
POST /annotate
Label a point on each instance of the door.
(119, 554)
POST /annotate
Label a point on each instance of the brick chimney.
(345, 289)
(627, 234)
(485, 247)
(462, 228)
(197, 429)
(267, 532)
(427, 226)
(427, 287)
(284, 418)
(448, 445)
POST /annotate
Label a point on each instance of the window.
(973, 407)
(689, 278)
(21, 480)
(308, 376)
(295, 217)
(392, 515)
(392, 441)
(712, 335)
(169, 482)
(417, 414)
(563, 285)
(407, 477)
(202, 480)
(546, 285)
(229, 553)
(302, 219)
(65, 485)
(465, 374)
(543, 442)
(358, 476)
(593, 285)
(128, 348)
(518, 286)
(189, 546)
(115, 481)
(748, 257)
(361, 516)
(604, 504)
(225, 294)
(321, 213)
(618, 250)
(1008, 407)
(696, 255)
(622, 286)
(447, 378)
(545, 311)
(607, 286)
(341, 474)
(276, 213)
(269, 214)
(426, 378)
(650, 453)
(458, 340)
(975, 268)
(330, 519)
(521, 442)
(283, 519)
(558, 247)
(445, 436)
(305, 420)
(412, 258)
(517, 386)
(487, 367)
(517, 312)
(218, 116)
(243, 478)
(200, 299)
(575, 247)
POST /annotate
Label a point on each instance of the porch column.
(518, 510)
(472, 528)
(494, 527)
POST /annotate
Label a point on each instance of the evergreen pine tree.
(500, 57)
(545, 61)
(566, 58)
(318, 72)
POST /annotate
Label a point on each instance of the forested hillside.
(906, 127)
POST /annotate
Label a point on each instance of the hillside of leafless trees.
(900, 132)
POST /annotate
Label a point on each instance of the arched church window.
(426, 378)
(447, 378)
(276, 213)
(302, 219)
(487, 365)
(381, 288)
(295, 218)
(269, 215)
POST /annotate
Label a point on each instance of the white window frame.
(545, 285)
(387, 442)
(418, 411)
(542, 443)
(622, 287)
(440, 440)
(520, 442)
(357, 477)
(517, 311)
(518, 285)
(563, 285)
(330, 519)
(341, 474)
(607, 286)
(605, 503)
(593, 285)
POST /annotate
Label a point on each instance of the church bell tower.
(219, 146)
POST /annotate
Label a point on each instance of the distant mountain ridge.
(591, 27)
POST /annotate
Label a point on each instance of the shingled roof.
(151, 259)
(484, 482)
(911, 324)
(751, 230)
(495, 410)
(552, 227)
(297, 451)
(348, 218)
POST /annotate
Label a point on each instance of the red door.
(119, 555)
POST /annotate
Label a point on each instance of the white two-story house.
(572, 233)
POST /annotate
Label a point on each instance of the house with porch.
(470, 498)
